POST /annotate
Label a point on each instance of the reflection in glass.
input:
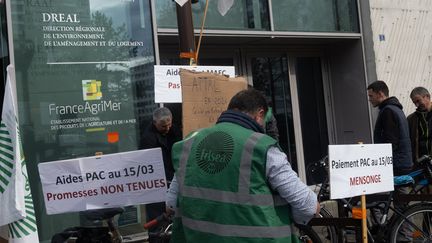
(270, 75)
(315, 16)
(243, 15)
(80, 78)
(4, 50)
(312, 112)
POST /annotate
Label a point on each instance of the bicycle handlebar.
(424, 159)
(154, 222)
(151, 224)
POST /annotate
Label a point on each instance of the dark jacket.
(271, 128)
(151, 138)
(421, 138)
(392, 127)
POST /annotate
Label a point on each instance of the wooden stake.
(364, 218)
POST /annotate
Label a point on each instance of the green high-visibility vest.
(223, 194)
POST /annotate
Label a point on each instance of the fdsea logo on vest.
(214, 152)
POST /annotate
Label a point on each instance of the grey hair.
(422, 91)
(161, 113)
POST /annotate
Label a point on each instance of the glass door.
(308, 77)
(4, 52)
(270, 75)
(295, 90)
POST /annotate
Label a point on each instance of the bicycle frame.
(422, 178)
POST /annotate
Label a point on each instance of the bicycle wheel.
(308, 235)
(414, 226)
(327, 234)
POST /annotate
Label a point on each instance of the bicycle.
(102, 229)
(307, 234)
(423, 175)
(163, 225)
(386, 229)
(326, 234)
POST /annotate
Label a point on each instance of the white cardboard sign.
(360, 169)
(107, 181)
(167, 80)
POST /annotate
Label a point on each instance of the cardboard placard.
(205, 97)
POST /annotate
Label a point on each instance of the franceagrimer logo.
(91, 90)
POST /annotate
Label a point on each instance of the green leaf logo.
(6, 158)
(27, 225)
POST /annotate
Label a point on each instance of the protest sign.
(360, 169)
(205, 97)
(107, 181)
(167, 80)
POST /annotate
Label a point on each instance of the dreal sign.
(360, 169)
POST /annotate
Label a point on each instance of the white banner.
(12, 181)
(224, 6)
(181, 2)
(107, 181)
(167, 80)
(16, 199)
(360, 169)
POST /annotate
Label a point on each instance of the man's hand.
(318, 209)
(169, 211)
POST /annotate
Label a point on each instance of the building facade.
(402, 37)
(312, 59)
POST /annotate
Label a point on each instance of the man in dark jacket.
(160, 134)
(391, 126)
(420, 123)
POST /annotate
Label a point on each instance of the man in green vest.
(233, 183)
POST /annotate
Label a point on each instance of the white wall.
(404, 52)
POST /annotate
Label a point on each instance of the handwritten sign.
(106, 181)
(360, 169)
(167, 80)
(205, 97)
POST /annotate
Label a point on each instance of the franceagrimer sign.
(84, 74)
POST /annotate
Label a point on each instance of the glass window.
(84, 72)
(243, 15)
(4, 52)
(315, 16)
